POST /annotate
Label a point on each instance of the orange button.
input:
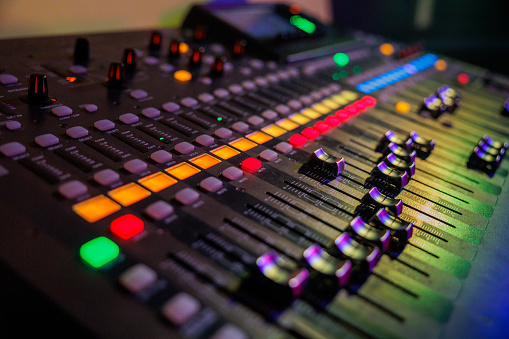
(310, 113)
(299, 118)
(96, 208)
(287, 124)
(225, 152)
(182, 171)
(129, 194)
(157, 182)
(274, 130)
(259, 137)
(205, 161)
(243, 144)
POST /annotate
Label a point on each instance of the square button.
(205, 161)
(104, 124)
(96, 208)
(161, 156)
(187, 196)
(106, 177)
(287, 124)
(159, 210)
(225, 152)
(181, 308)
(184, 147)
(310, 113)
(259, 137)
(46, 140)
(129, 118)
(299, 118)
(321, 108)
(138, 278)
(76, 132)
(232, 173)
(12, 149)
(61, 111)
(99, 251)
(274, 130)
(211, 184)
(129, 194)
(127, 226)
(157, 182)
(243, 144)
(72, 189)
(205, 140)
(268, 155)
(135, 166)
(182, 171)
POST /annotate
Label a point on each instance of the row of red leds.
(334, 120)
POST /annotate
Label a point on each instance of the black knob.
(393, 161)
(154, 48)
(400, 230)
(116, 75)
(38, 89)
(323, 164)
(385, 178)
(433, 106)
(174, 50)
(81, 52)
(484, 162)
(421, 146)
(196, 58)
(363, 232)
(217, 68)
(373, 201)
(326, 273)
(400, 152)
(239, 48)
(505, 109)
(200, 33)
(390, 137)
(130, 60)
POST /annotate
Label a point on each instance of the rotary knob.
(154, 47)
(116, 75)
(130, 60)
(239, 48)
(174, 50)
(81, 52)
(195, 60)
(373, 201)
(321, 163)
(37, 89)
(391, 137)
(387, 179)
(217, 67)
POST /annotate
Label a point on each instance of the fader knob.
(421, 146)
(400, 152)
(483, 161)
(323, 164)
(391, 137)
(387, 179)
(81, 52)
(364, 256)
(38, 88)
(400, 230)
(393, 161)
(363, 232)
(116, 75)
(373, 201)
(505, 109)
(130, 60)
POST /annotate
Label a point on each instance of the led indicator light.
(99, 251)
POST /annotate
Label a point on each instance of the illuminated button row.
(397, 74)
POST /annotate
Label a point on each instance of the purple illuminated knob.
(391, 137)
(363, 232)
(38, 88)
(484, 162)
(373, 201)
(393, 161)
(421, 146)
(116, 75)
(400, 229)
(363, 256)
(323, 164)
(400, 152)
(388, 179)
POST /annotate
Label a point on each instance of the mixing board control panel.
(158, 183)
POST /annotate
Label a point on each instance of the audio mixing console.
(159, 184)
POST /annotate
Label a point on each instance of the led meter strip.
(397, 74)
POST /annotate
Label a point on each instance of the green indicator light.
(219, 119)
(356, 69)
(99, 251)
(303, 24)
(161, 138)
(343, 74)
(341, 59)
(335, 76)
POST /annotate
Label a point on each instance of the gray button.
(316, 95)
(135, 166)
(211, 184)
(46, 140)
(8, 79)
(246, 70)
(206, 80)
(232, 173)
(166, 68)
(73, 189)
(228, 66)
(249, 85)
(138, 94)
(282, 75)
(151, 112)
(91, 108)
(184, 147)
(306, 99)
(240, 126)
(3, 171)
(189, 102)
(180, 308)
(61, 111)
(77, 69)
(295, 104)
(272, 78)
(235, 89)
(325, 91)
(151, 61)
(12, 149)
(129, 118)
(269, 114)
(161, 156)
(255, 120)
(283, 109)
(205, 97)
(221, 93)
(187, 196)
(171, 107)
(13, 125)
(335, 88)
(159, 210)
(272, 64)
(137, 278)
(256, 63)
(284, 147)
(205, 140)
(230, 331)
(268, 155)
(76, 132)
(104, 125)
(261, 81)
(208, 59)
(223, 132)
(106, 177)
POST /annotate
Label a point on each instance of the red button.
(310, 133)
(463, 78)
(342, 115)
(297, 140)
(351, 110)
(332, 121)
(322, 127)
(126, 226)
(361, 106)
(369, 101)
(251, 165)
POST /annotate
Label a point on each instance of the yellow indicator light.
(96, 208)
(182, 75)
(243, 144)
(321, 108)
(310, 113)
(157, 182)
(386, 49)
(183, 48)
(129, 194)
(225, 152)
(182, 171)
(340, 100)
(349, 95)
(299, 118)
(273, 130)
(287, 124)
(259, 137)
(403, 107)
(205, 161)
(331, 104)
(441, 65)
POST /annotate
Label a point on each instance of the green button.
(99, 251)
